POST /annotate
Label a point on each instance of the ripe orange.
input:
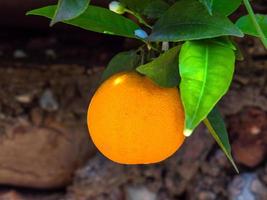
(131, 120)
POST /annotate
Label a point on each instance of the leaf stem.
(142, 57)
(255, 22)
(150, 46)
(139, 17)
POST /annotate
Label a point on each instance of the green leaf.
(224, 41)
(136, 5)
(225, 7)
(246, 25)
(238, 52)
(164, 69)
(216, 126)
(180, 23)
(69, 9)
(123, 61)
(206, 70)
(155, 9)
(150, 8)
(208, 5)
(95, 19)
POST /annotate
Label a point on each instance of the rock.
(206, 195)
(100, 176)
(19, 54)
(48, 102)
(247, 186)
(41, 157)
(30, 195)
(210, 181)
(50, 53)
(139, 193)
(239, 98)
(36, 116)
(10, 195)
(40, 149)
(249, 128)
(205, 186)
(24, 98)
(263, 175)
(221, 160)
(249, 155)
(247, 89)
(259, 188)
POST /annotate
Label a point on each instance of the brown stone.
(249, 155)
(247, 186)
(249, 128)
(10, 195)
(40, 147)
(41, 157)
(13, 194)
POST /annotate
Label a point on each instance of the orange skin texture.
(131, 120)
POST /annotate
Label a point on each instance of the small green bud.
(117, 7)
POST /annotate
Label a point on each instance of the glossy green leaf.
(69, 9)
(206, 70)
(246, 25)
(180, 23)
(164, 69)
(123, 61)
(136, 5)
(150, 8)
(225, 7)
(216, 126)
(208, 4)
(155, 9)
(224, 41)
(96, 19)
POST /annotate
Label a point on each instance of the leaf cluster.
(188, 44)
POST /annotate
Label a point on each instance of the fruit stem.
(255, 22)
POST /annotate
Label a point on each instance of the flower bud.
(117, 7)
(140, 33)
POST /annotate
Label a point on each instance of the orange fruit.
(131, 120)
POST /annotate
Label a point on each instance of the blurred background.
(47, 77)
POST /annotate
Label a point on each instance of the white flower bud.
(140, 33)
(117, 7)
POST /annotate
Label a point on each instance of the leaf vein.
(203, 84)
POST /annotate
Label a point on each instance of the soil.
(55, 60)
